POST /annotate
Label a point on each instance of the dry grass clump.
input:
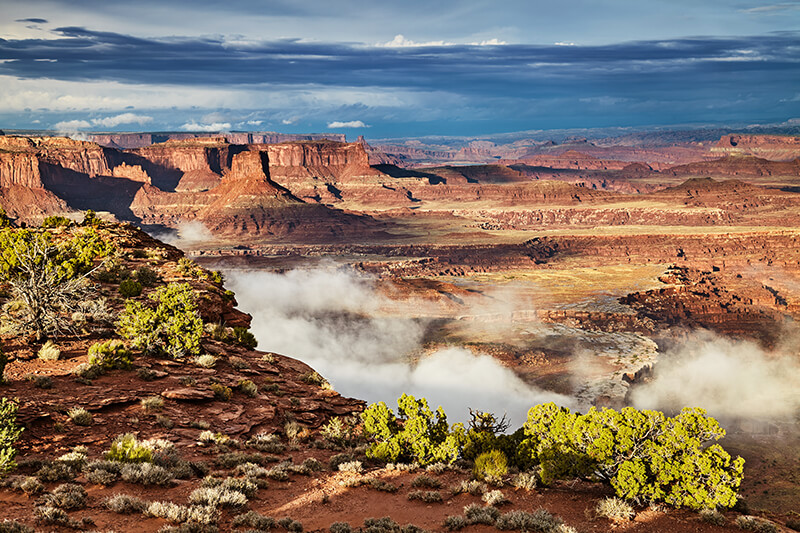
(614, 509)
(205, 361)
(427, 496)
(712, 516)
(217, 497)
(65, 496)
(248, 388)
(152, 404)
(267, 443)
(234, 459)
(423, 481)
(182, 513)
(473, 487)
(751, 523)
(221, 392)
(475, 514)
(351, 466)
(40, 382)
(52, 471)
(381, 485)
(30, 485)
(436, 468)
(146, 474)
(539, 520)
(125, 504)
(54, 516)
(12, 526)
(49, 352)
(403, 467)
(525, 480)
(494, 497)
(102, 472)
(80, 416)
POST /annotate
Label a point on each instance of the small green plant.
(49, 352)
(127, 449)
(313, 378)
(254, 520)
(130, 288)
(146, 474)
(146, 276)
(80, 416)
(425, 481)
(40, 382)
(216, 277)
(494, 498)
(110, 354)
(712, 516)
(67, 496)
(751, 523)
(351, 466)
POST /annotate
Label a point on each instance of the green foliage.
(130, 288)
(109, 355)
(646, 456)
(9, 433)
(491, 465)
(126, 449)
(3, 362)
(221, 392)
(217, 277)
(90, 218)
(173, 327)
(421, 435)
(56, 221)
(5, 222)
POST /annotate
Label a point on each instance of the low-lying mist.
(729, 378)
(331, 319)
(337, 321)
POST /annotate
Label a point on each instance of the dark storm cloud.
(508, 70)
(33, 20)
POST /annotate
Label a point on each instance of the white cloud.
(254, 122)
(288, 121)
(349, 124)
(210, 128)
(400, 41)
(124, 118)
(71, 125)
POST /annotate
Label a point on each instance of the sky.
(392, 69)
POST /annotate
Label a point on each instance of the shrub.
(421, 436)
(424, 481)
(614, 509)
(56, 471)
(40, 382)
(66, 496)
(494, 497)
(182, 513)
(539, 520)
(125, 504)
(646, 456)
(221, 392)
(340, 527)
(173, 327)
(126, 449)
(313, 378)
(381, 485)
(455, 522)
(146, 474)
(49, 352)
(146, 276)
(525, 480)
(267, 442)
(130, 288)
(55, 221)
(12, 526)
(110, 355)
(341, 432)
(47, 278)
(238, 363)
(80, 416)
(152, 403)
(351, 466)
(217, 497)
(475, 514)
(9, 433)
(254, 520)
(476, 488)
(248, 388)
(102, 472)
(427, 496)
(491, 465)
(205, 361)
(751, 523)
(712, 516)
(244, 337)
(187, 267)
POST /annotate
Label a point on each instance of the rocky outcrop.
(20, 169)
(125, 141)
(739, 165)
(774, 147)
